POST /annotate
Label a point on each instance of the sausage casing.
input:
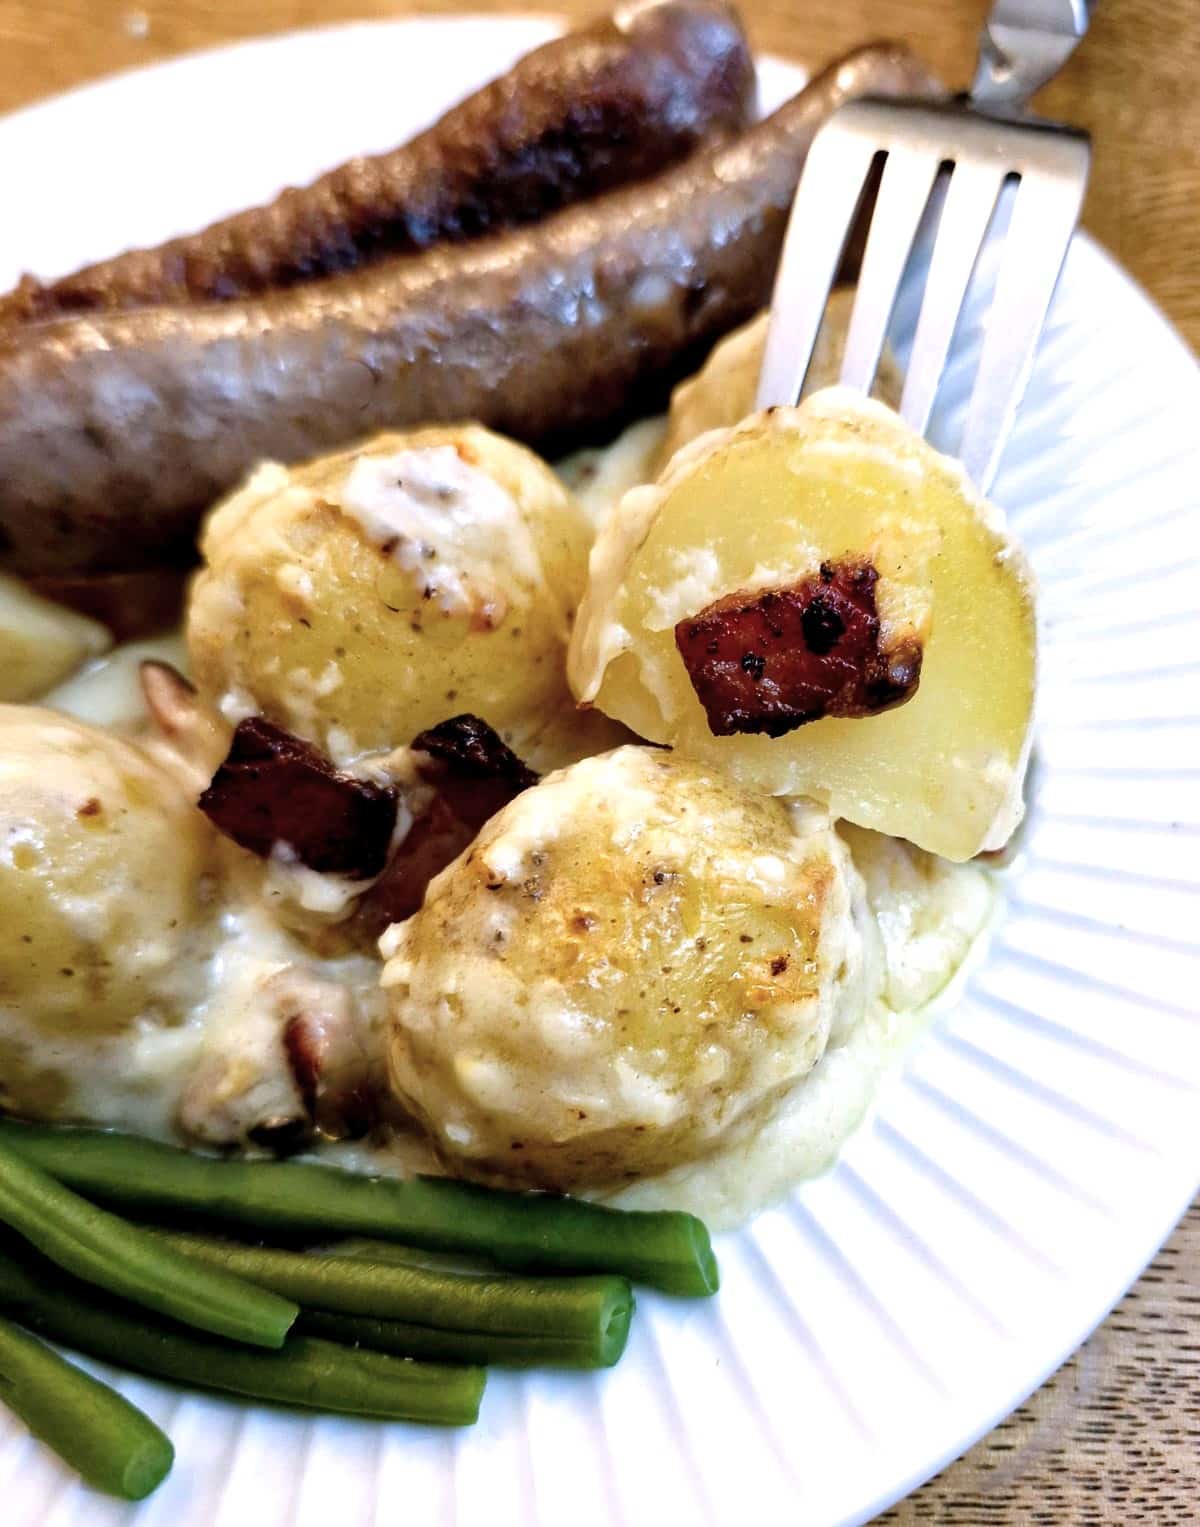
(612, 103)
(117, 431)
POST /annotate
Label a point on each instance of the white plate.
(1038, 1147)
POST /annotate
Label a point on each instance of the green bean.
(495, 1349)
(92, 1428)
(396, 1255)
(561, 1322)
(521, 1231)
(305, 1372)
(102, 1249)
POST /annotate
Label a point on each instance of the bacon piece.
(432, 842)
(469, 749)
(292, 1067)
(472, 773)
(772, 660)
(330, 1070)
(273, 789)
(324, 1059)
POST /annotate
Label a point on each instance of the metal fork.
(984, 142)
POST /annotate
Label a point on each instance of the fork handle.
(1023, 44)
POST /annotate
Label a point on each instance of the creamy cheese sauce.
(222, 1054)
(443, 521)
(106, 691)
(930, 914)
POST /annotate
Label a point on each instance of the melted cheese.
(929, 913)
(443, 521)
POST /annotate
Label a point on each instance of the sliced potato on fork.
(818, 601)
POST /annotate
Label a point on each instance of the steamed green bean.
(306, 1372)
(422, 1312)
(93, 1429)
(492, 1348)
(115, 1255)
(521, 1231)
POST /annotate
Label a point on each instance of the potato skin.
(633, 963)
(309, 614)
(102, 877)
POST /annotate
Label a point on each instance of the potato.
(723, 391)
(361, 598)
(928, 914)
(41, 642)
(102, 881)
(630, 967)
(739, 515)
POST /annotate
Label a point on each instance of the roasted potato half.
(818, 602)
(364, 597)
(634, 962)
(41, 643)
(104, 891)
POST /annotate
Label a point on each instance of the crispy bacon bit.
(325, 1057)
(295, 1068)
(473, 750)
(273, 789)
(473, 773)
(432, 842)
(331, 1073)
(770, 661)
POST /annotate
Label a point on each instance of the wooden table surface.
(1114, 1437)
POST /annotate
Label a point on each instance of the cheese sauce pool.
(932, 918)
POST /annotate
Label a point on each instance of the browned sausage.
(132, 604)
(614, 102)
(117, 431)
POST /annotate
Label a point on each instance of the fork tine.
(1044, 217)
(908, 176)
(970, 202)
(818, 227)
